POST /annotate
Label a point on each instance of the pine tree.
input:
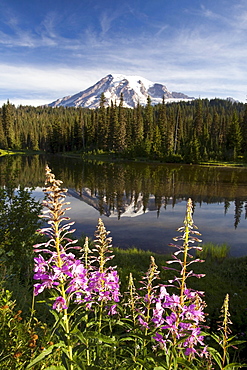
(171, 122)
(148, 126)
(148, 120)
(157, 142)
(162, 122)
(198, 120)
(55, 140)
(103, 127)
(8, 118)
(244, 130)
(178, 132)
(138, 129)
(234, 137)
(121, 134)
(113, 139)
(214, 134)
(3, 140)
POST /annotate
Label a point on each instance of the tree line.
(190, 132)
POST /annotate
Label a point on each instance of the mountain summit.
(133, 88)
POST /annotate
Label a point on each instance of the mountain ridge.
(134, 90)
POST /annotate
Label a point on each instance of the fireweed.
(100, 328)
(71, 280)
(174, 321)
(186, 310)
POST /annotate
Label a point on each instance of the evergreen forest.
(189, 132)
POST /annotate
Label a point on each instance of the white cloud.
(189, 57)
(21, 101)
(40, 79)
(38, 86)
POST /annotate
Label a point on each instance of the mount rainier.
(134, 89)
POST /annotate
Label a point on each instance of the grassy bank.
(102, 156)
(19, 152)
(99, 155)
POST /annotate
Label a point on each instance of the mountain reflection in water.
(143, 204)
(130, 206)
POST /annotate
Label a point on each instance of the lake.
(143, 204)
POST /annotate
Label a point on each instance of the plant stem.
(188, 223)
(65, 317)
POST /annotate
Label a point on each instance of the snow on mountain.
(134, 89)
(132, 205)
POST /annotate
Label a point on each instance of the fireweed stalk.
(176, 320)
(87, 283)
(187, 308)
(225, 340)
(149, 298)
(106, 277)
(51, 271)
(225, 328)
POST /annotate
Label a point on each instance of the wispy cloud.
(208, 13)
(205, 53)
(106, 20)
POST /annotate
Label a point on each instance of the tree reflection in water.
(130, 189)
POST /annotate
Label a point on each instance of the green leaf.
(127, 339)
(44, 354)
(235, 343)
(216, 356)
(234, 366)
(186, 364)
(54, 367)
(100, 337)
(81, 337)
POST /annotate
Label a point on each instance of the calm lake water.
(143, 204)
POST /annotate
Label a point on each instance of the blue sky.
(50, 49)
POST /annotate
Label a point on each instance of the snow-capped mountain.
(133, 88)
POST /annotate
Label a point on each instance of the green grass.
(224, 164)
(223, 275)
(214, 251)
(4, 152)
(100, 155)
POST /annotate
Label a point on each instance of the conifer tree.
(103, 128)
(3, 141)
(114, 127)
(55, 140)
(148, 119)
(234, 137)
(198, 120)
(121, 128)
(157, 142)
(215, 133)
(138, 129)
(148, 126)
(170, 132)
(178, 131)
(78, 133)
(244, 129)
(162, 122)
(8, 117)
